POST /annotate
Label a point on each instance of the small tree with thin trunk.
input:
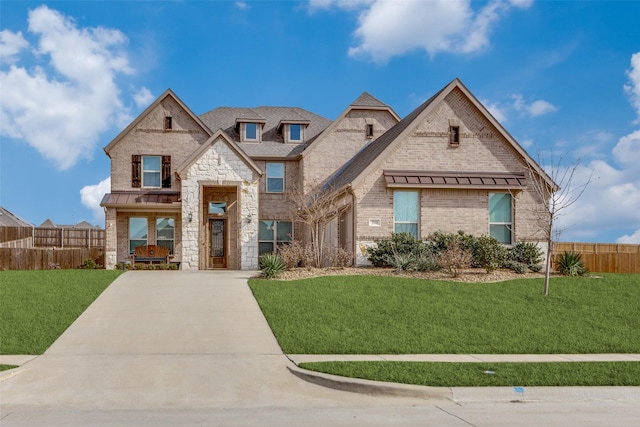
(316, 208)
(556, 199)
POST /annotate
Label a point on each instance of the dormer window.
(250, 132)
(295, 133)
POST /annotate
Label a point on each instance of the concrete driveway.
(162, 339)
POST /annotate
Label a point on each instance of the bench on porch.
(150, 253)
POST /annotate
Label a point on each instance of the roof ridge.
(367, 100)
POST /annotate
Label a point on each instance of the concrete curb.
(373, 388)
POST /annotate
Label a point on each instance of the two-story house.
(215, 188)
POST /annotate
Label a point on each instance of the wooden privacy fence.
(46, 259)
(53, 237)
(604, 257)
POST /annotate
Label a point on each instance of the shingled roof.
(272, 145)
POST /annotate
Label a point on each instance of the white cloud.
(10, 44)
(633, 87)
(143, 97)
(534, 109)
(627, 151)
(496, 110)
(91, 196)
(632, 239)
(388, 28)
(62, 109)
(242, 5)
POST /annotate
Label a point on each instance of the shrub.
(404, 261)
(488, 253)
(455, 257)
(516, 266)
(296, 254)
(271, 265)
(384, 254)
(427, 262)
(88, 264)
(570, 264)
(340, 258)
(526, 253)
(173, 266)
(536, 267)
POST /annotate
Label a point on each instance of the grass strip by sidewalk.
(37, 306)
(7, 367)
(448, 374)
(392, 315)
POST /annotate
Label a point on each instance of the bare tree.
(316, 208)
(557, 196)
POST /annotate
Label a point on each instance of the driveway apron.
(163, 339)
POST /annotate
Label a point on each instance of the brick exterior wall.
(338, 146)
(481, 148)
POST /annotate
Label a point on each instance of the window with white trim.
(138, 233)
(250, 132)
(294, 132)
(406, 211)
(272, 234)
(152, 171)
(501, 217)
(165, 233)
(275, 177)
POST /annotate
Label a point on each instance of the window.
(250, 131)
(500, 217)
(168, 123)
(454, 135)
(369, 131)
(217, 208)
(405, 212)
(275, 177)
(137, 233)
(151, 171)
(295, 133)
(165, 232)
(272, 234)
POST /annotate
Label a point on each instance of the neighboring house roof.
(8, 219)
(272, 144)
(48, 224)
(141, 116)
(364, 102)
(128, 198)
(372, 154)
(468, 180)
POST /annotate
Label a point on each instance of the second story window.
(150, 171)
(275, 177)
(295, 133)
(250, 132)
(168, 123)
(454, 135)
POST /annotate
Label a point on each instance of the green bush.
(526, 253)
(570, 264)
(385, 252)
(88, 264)
(488, 253)
(518, 267)
(271, 265)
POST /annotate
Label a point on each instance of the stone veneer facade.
(220, 166)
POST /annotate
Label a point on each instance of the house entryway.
(220, 227)
(217, 243)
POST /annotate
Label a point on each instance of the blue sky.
(562, 77)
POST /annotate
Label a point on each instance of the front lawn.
(388, 315)
(443, 374)
(37, 306)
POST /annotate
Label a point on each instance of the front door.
(217, 243)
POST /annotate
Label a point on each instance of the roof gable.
(148, 110)
(364, 102)
(374, 153)
(219, 135)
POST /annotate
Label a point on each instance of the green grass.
(37, 306)
(6, 367)
(383, 315)
(474, 374)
